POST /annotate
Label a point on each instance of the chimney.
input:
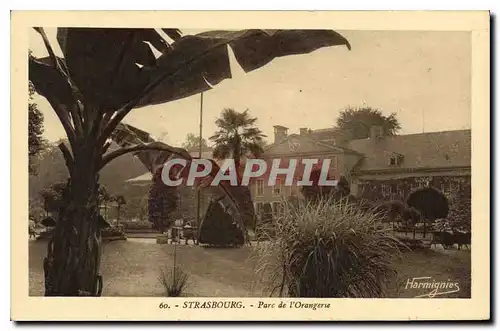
(376, 132)
(280, 133)
(303, 131)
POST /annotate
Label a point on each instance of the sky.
(424, 77)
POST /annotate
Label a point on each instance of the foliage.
(265, 228)
(193, 142)
(51, 169)
(317, 192)
(219, 229)
(36, 210)
(36, 143)
(237, 136)
(328, 249)
(174, 281)
(460, 216)
(356, 122)
(104, 195)
(135, 224)
(163, 201)
(113, 232)
(54, 197)
(431, 203)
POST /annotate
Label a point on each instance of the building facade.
(307, 144)
(392, 167)
(378, 167)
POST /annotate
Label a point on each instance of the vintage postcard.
(239, 166)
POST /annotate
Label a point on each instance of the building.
(392, 167)
(312, 144)
(378, 167)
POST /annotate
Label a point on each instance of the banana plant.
(162, 199)
(105, 73)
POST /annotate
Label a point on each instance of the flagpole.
(198, 193)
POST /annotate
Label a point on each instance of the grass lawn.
(131, 268)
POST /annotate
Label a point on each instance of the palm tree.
(237, 136)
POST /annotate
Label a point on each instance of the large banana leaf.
(112, 67)
(127, 135)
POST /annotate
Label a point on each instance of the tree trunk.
(73, 256)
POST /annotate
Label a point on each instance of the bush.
(113, 232)
(219, 229)
(136, 224)
(331, 248)
(174, 281)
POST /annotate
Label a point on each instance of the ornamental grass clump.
(174, 281)
(328, 248)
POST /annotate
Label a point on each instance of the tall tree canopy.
(237, 136)
(356, 122)
(193, 142)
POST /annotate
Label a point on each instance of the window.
(333, 162)
(395, 160)
(259, 188)
(278, 187)
(450, 188)
(386, 190)
(400, 191)
(420, 182)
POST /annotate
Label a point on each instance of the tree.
(193, 142)
(430, 203)
(54, 197)
(163, 201)
(356, 122)
(36, 142)
(104, 74)
(120, 201)
(104, 198)
(237, 136)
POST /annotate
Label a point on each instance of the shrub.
(330, 248)
(113, 232)
(136, 224)
(174, 281)
(219, 229)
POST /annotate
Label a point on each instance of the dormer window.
(395, 160)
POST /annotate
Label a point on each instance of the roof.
(314, 145)
(446, 149)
